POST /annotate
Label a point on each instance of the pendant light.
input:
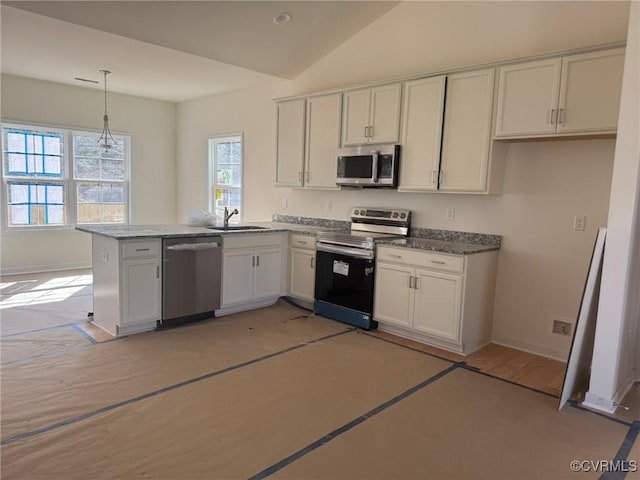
(106, 140)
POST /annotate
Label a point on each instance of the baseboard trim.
(245, 306)
(535, 349)
(43, 268)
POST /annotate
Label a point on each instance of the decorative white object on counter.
(199, 218)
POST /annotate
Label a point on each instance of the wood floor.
(534, 371)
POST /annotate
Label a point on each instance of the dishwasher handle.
(192, 247)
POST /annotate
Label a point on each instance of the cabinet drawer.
(416, 258)
(140, 248)
(303, 241)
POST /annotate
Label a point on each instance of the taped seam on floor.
(576, 405)
(43, 329)
(410, 348)
(348, 426)
(623, 455)
(77, 328)
(144, 396)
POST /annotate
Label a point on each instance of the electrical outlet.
(561, 327)
(285, 202)
(328, 206)
(579, 222)
(451, 213)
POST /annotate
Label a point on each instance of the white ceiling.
(175, 50)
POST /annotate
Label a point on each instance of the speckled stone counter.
(442, 246)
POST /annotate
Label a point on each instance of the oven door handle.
(349, 251)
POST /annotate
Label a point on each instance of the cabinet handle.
(304, 242)
(366, 132)
(258, 261)
(370, 131)
(433, 176)
(415, 283)
(311, 262)
(300, 177)
(410, 281)
(441, 177)
(560, 116)
(253, 261)
(393, 255)
(307, 176)
(157, 271)
(439, 262)
(142, 249)
(551, 116)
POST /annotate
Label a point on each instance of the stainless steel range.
(345, 263)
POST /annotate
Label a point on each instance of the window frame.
(67, 179)
(212, 164)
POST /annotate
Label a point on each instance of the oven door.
(345, 282)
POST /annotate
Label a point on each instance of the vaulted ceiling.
(175, 50)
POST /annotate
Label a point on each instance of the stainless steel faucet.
(228, 215)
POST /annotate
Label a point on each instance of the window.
(225, 177)
(47, 170)
(100, 180)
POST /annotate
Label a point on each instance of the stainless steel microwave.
(368, 166)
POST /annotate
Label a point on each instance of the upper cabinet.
(446, 143)
(575, 94)
(423, 109)
(290, 142)
(372, 115)
(466, 135)
(307, 137)
(322, 140)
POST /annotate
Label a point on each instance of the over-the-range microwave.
(368, 166)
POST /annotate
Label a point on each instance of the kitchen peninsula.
(261, 262)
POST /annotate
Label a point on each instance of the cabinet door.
(267, 270)
(438, 300)
(590, 92)
(323, 140)
(393, 297)
(384, 119)
(355, 117)
(302, 274)
(528, 98)
(467, 132)
(421, 134)
(141, 291)
(289, 142)
(237, 276)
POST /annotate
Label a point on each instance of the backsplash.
(418, 232)
(453, 236)
(318, 222)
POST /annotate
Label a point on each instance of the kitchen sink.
(238, 227)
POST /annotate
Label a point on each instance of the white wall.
(543, 262)
(616, 363)
(152, 127)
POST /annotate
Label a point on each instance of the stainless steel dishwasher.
(191, 278)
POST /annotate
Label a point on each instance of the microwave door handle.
(374, 167)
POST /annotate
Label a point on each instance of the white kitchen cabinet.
(323, 122)
(372, 115)
(290, 124)
(422, 112)
(466, 136)
(575, 94)
(439, 299)
(127, 284)
(302, 267)
(252, 271)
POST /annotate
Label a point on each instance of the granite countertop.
(124, 232)
(441, 246)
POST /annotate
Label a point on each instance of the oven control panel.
(362, 214)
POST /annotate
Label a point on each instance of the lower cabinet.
(302, 270)
(127, 284)
(439, 299)
(252, 268)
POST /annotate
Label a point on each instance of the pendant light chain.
(103, 141)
